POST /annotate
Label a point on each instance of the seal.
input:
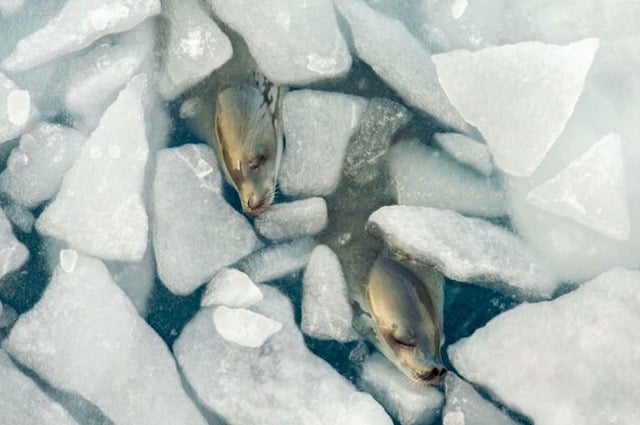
(248, 145)
(397, 301)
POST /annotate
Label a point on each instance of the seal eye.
(406, 344)
(256, 162)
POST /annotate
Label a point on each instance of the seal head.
(248, 147)
(406, 324)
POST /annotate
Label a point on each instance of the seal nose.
(434, 376)
(251, 201)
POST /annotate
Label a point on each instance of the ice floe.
(195, 232)
(13, 254)
(16, 109)
(99, 209)
(84, 336)
(318, 126)
(464, 249)
(293, 219)
(570, 360)
(466, 151)
(244, 327)
(232, 288)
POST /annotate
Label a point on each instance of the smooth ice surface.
(16, 110)
(590, 190)
(465, 406)
(78, 24)
(423, 176)
(293, 219)
(99, 209)
(464, 249)
(95, 77)
(231, 288)
(9, 7)
(466, 151)
(410, 404)
(400, 60)
(317, 126)
(326, 306)
(23, 402)
(570, 360)
(244, 327)
(293, 42)
(13, 254)
(196, 47)
(195, 232)
(35, 168)
(85, 336)
(281, 382)
(518, 96)
(276, 261)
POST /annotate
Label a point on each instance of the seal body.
(248, 145)
(397, 301)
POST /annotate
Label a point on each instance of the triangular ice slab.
(519, 96)
(591, 190)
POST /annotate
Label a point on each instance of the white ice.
(99, 209)
(20, 217)
(423, 176)
(244, 327)
(571, 360)
(13, 254)
(278, 260)
(590, 190)
(466, 151)
(465, 406)
(232, 288)
(16, 109)
(464, 249)
(326, 306)
(317, 126)
(293, 219)
(95, 78)
(9, 7)
(196, 47)
(400, 60)
(36, 167)
(136, 279)
(409, 403)
(23, 402)
(292, 42)
(195, 232)
(518, 96)
(78, 24)
(281, 382)
(84, 336)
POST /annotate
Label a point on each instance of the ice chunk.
(9, 7)
(136, 279)
(423, 176)
(281, 382)
(464, 249)
(21, 217)
(95, 78)
(293, 219)
(68, 260)
(99, 209)
(13, 254)
(276, 261)
(196, 47)
(466, 407)
(366, 151)
(16, 110)
(244, 327)
(195, 232)
(292, 42)
(591, 190)
(318, 126)
(400, 60)
(85, 336)
(326, 306)
(78, 24)
(519, 96)
(577, 354)
(23, 402)
(466, 151)
(232, 288)
(36, 167)
(409, 403)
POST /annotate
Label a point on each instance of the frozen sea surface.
(133, 290)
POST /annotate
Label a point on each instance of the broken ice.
(466, 151)
(232, 288)
(16, 110)
(244, 327)
(570, 360)
(13, 254)
(276, 261)
(293, 219)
